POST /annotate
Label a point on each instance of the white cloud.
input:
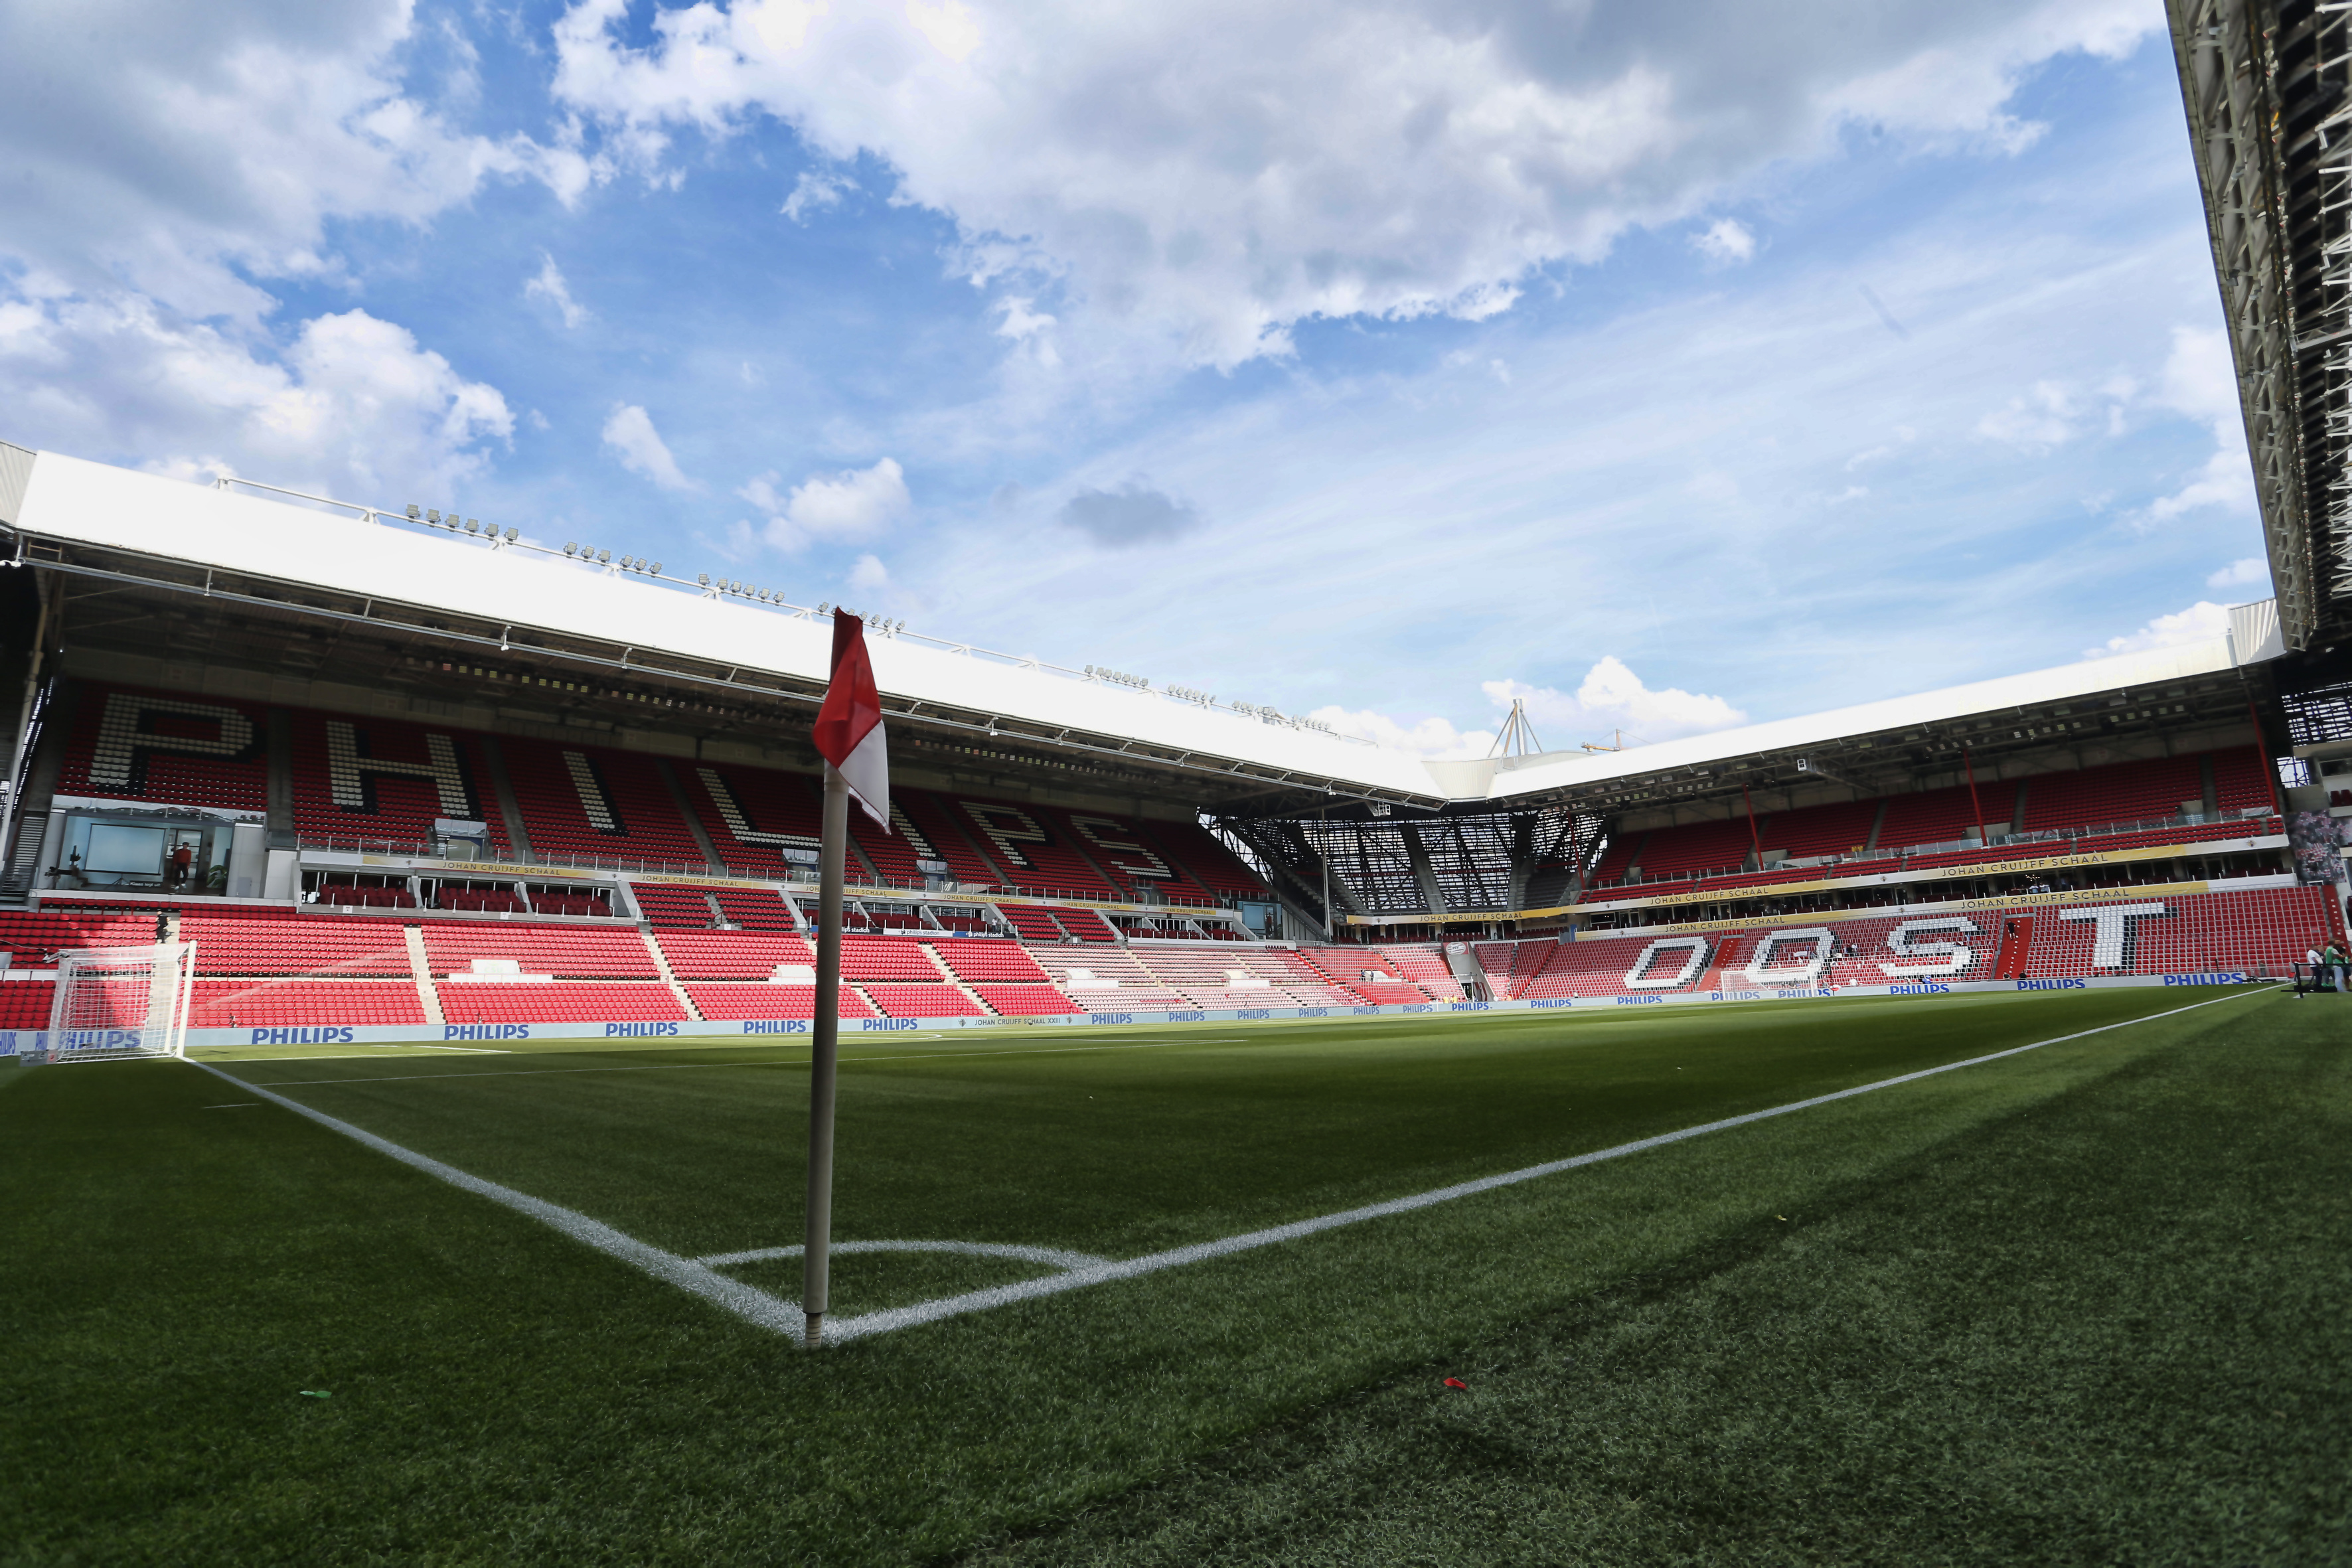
(852, 505)
(868, 576)
(1200, 178)
(1432, 737)
(1610, 698)
(184, 150)
(549, 286)
(2198, 623)
(2201, 383)
(353, 407)
(1726, 240)
(2038, 422)
(814, 191)
(631, 436)
(2240, 574)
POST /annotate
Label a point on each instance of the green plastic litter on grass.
(316, 1394)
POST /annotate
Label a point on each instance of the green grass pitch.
(2087, 1303)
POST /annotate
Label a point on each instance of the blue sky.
(1662, 365)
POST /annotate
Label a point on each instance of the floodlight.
(513, 534)
(472, 525)
(657, 568)
(569, 548)
(433, 517)
(412, 513)
(703, 578)
(604, 557)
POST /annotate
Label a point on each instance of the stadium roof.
(2265, 87)
(460, 596)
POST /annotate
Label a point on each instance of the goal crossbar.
(113, 1004)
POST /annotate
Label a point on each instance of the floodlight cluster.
(454, 524)
(590, 553)
(1117, 677)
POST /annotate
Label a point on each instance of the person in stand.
(181, 859)
(2339, 965)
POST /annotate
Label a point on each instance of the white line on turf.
(753, 1306)
(468, 1050)
(757, 1307)
(698, 1066)
(1053, 1257)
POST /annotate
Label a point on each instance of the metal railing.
(621, 866)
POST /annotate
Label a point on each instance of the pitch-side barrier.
(35, 1043)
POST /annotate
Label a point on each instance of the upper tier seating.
(591, 802)
(947, 836)
(1946, 815)
(1037, 848)
(344, 895)
(2244, 778)
(128, 744)
(751, 814)
(480, 900)
(2118, 792)
(1695, 846)
(585, 951)
(377, 779)
(1203, 857)
(1840, 828)
(1034, 923)
(570, 904)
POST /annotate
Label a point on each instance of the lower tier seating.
(558, 1003)
(921, 1002)
(733, 1002)
(240, 1003)
(25, 1004)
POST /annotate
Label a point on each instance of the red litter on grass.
(1455, 1383)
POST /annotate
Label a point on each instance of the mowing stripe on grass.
(752, 1306)
(845, 1329)
(784, 1317)
(720, 1067)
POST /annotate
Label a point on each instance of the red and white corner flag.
(849, 725)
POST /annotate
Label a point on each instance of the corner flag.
(849, 725)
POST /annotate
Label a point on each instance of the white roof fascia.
(98, 504)
(1518, 776)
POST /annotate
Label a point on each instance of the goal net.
(114, 1003)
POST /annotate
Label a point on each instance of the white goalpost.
(113, 1004)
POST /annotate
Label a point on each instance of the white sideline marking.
(1053, 1257)
(715, 1067)
(698, 1277)
(468, 1050)
(752, 1306)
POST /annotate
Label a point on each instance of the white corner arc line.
(843, 1330)
(1052, 1256)
(750, 1305)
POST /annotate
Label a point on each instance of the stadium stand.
(1034, 923)
(921, 1001)
(370, 779)
(730, 955)
(2120, 791)
(1026, 1001)
(1425, 967)
(886, 958)
(1840, 828)
(596, 803)
(240, 1003)
(751, 815)
(672, 907)
(753, 910)
(1037, 854)
(1199, 854)
(165, 747)
(1946, 815)
(25, 1004)
(566, 951)
(1695, 846)
(998, 962)
(484, 1002)
(734, 1002)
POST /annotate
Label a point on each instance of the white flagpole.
(816, 1259)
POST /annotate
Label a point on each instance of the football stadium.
(1912, 1131)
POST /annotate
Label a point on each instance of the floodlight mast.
(1517, 737)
